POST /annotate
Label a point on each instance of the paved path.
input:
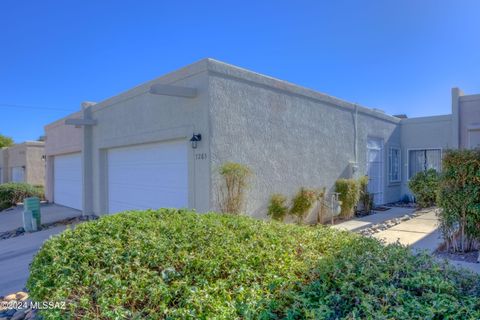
(420, 232)
(13, 219)
(16, 254)
(358, 224)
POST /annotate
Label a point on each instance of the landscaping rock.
(20, 231)
(16, 314)
(388, 224)
(10, 297)
(19, 315)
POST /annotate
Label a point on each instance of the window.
(422, 160)
(394, 165)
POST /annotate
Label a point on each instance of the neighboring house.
(23, 162)
(133, 151)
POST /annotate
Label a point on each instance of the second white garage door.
(149, 176)
(67, 180)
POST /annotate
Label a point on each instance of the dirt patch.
(471, 257)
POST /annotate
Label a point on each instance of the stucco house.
(23, 162)
(134, 150)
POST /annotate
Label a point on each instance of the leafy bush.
(176, 264)
(231, 193)
(277, 209)
(349, 194)
(366, 281)
(302, 202)
(13, 193)
(424, 186)
(459, 199)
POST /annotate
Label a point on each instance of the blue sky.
(400, 56)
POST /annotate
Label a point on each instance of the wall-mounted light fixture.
(194, 140)
(44, 157)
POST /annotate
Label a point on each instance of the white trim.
(417, 149)
(390, 164)
(381, 177)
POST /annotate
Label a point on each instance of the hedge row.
(13, 193)
(170, 264)
(459, 199)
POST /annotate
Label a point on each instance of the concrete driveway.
(12, 219)
(17, 253)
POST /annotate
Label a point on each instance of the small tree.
(277, 208)
(231, 193)
(302, 202)
(5, 141)
(424, 186)
(349, 194)
(365, 198)
(459, 199)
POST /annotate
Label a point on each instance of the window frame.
(419, 149)
(390, 164)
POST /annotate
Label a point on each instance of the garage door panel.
(148, 176)
(67, 176)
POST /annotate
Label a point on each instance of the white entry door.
(67, 180)
(148, 176)
(375, 169)
(18, 174)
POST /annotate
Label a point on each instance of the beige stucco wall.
(424, 133)
(63, 139)
(469, 117)
(290, 136)
(3, 165)
(28, 155)
(35, 163)
(132, 118)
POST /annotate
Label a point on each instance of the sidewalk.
(421, 233)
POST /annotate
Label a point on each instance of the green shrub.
(365, 197)
(174, 264)
(302, 202)
(231, 192)
(366, 281)
(459, 199)
(349, 194)
(13, 193)
(424, 186)
(277, 208)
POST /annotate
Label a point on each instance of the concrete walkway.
(13, 219)
(421, 233)
(358, 224)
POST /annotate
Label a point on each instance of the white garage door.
(67, 180)
(148, 176)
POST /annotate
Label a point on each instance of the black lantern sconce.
(194, 140)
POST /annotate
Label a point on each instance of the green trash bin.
(33, 204)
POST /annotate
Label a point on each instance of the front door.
(375, 169)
